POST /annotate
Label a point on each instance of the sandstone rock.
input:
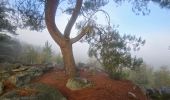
(35, 71)
(49, 67)
(20, 79)
(4, 75)
(9, 67)
(78, 83)
(132, 95)
(15, 66)
(1, 87)
(3, 71)
(46, 67)
(20, 69)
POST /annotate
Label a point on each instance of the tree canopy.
(5, 18)
(31, 13)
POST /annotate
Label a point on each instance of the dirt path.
(104, 89)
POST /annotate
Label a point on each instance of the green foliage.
(32, 11)
(47, 53)
(118, 75)
(5, 17)
(58, 59)
(113, 50)
(29, 54)
(36, 55)
(157, 96)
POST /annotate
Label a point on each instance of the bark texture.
(63, 40)
(68, 58)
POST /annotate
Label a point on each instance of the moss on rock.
(43, 92)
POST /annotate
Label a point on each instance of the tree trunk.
(63, 40)
(69, 62)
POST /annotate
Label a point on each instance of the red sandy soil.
(104, 88)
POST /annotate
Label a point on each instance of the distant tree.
(113, 51)
(47, 52)
(35, 14)
(58, 59)
(29, 54)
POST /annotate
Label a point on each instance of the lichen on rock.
(78, 83)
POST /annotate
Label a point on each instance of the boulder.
(9, 67)
(48, 67)
(41, 92)
(4, 75)
(1, 87)
(34, 71)
(3, 71)
(132, 95)
(21, 69)
(78, 83)
(20, 79)
(165, 90)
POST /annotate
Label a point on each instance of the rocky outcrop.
(20, 75)
(34, 92)
(20, 79)
(78, 83)
(1, 87)
(162, 93)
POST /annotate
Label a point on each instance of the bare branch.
(73, 18)
(83, 32)
(78, 37)
(50, 11)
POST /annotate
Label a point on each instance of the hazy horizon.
(154, 28)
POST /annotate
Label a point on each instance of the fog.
(155, 52)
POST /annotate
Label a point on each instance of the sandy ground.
(104, 88)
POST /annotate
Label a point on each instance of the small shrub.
(118, 75)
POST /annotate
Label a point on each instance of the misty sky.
(154, 28)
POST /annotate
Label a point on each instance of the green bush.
(119, 75)
(113, 51)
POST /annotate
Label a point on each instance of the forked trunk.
(69, 62)
(63, 40)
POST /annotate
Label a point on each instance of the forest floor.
(104, 88)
